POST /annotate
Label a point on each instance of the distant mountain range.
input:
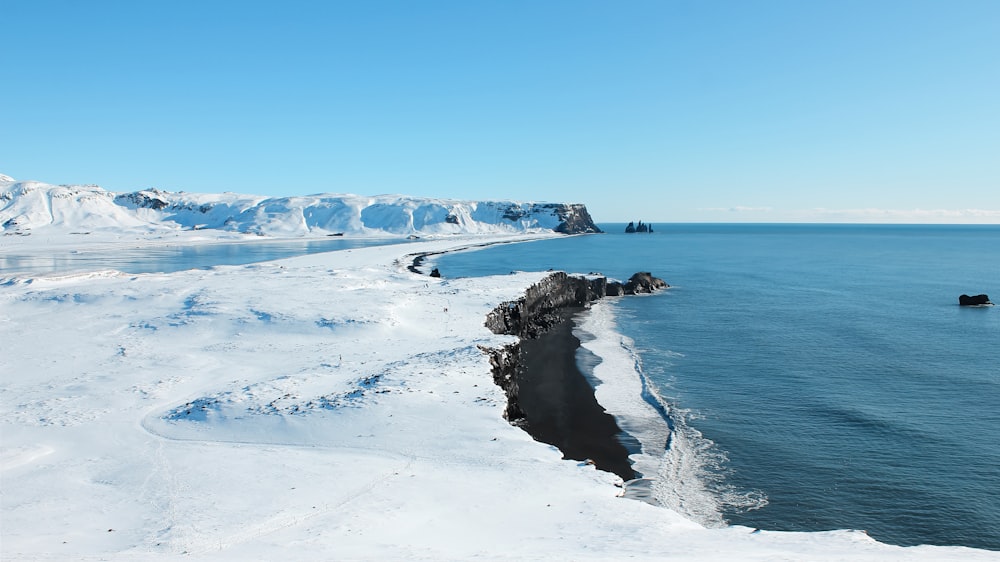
(27, 206)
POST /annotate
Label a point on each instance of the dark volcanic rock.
(597, 286)
(505, 361)
(435, 272)
(575, 219)
(641, 227)
(614, 289)
(977, 300)
(538, 309)
(148, 199)
(643, 282)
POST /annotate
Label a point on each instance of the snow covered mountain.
(26, 206)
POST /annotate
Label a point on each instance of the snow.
(332, 406)
(31, 207)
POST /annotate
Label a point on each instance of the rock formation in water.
(632, 227)
(977, 300)
(643, 282)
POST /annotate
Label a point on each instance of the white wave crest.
(681, 469)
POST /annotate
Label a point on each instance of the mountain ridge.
(27, 206)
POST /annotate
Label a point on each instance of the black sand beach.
(556, 399)
(559, 403)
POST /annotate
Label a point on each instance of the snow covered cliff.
(29, 205)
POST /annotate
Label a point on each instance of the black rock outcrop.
(538, 309)
(543, 306)
(505, 361)
(575, 219)
(643, 282)
(614, 289)
(976, 300)
(641, 227)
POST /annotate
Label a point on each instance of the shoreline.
(560, 403)
(550, 396)
(417, 259)
(555, 399)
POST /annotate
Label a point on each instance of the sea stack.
(977, 300)
(632, 227)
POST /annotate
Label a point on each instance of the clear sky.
(708, 110)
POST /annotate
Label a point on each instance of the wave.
(680, 468)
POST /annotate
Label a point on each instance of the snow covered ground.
(333, 406)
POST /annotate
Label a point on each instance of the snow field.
(333, 406)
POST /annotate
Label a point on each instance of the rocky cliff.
(575, 219)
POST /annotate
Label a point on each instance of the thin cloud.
(739, 209)
(856, 215)
(911, 215)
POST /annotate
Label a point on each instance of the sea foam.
(680, 468)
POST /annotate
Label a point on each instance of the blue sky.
(769, 110)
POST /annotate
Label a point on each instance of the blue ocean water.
(827, 368)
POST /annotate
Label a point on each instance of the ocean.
(822, 376)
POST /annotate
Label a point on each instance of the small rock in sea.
(977, 300)
(643, 282)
